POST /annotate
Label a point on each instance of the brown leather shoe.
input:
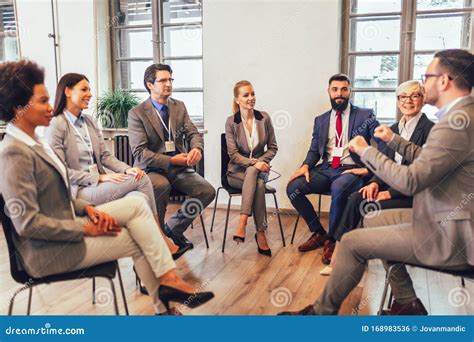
(414, 307)
(307, 311)
(314, 242)
(328, 249)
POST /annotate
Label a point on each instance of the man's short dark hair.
(340, 77)
(459, 65)
(150, 73)
(17, 80)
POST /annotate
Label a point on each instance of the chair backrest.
(16, 268)
(123, 151)
(224, 162)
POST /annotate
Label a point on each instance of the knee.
(355, 197)
(293, 189)
(135, 201)
(207, 193)
(260, 184)
(252, 171)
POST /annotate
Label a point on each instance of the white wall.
(288, 50)
(82, 34)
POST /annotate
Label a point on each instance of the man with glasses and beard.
(329, 165)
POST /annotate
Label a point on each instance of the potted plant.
(112, 108)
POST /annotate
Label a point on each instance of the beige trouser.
(139, 239)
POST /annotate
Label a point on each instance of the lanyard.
(89, 148)
(168, 129)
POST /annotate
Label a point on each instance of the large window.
(386, 42)
(8, 31)
(165, 31)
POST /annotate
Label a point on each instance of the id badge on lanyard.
(169, 145)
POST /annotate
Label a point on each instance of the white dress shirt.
(252, 139)
(346, 157)
(406, 129)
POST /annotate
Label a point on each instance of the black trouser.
(357, 207)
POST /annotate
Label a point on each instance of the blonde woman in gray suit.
(251, 145)
(55, 233)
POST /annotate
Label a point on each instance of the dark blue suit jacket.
(362, 122)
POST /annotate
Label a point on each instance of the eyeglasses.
(165, 80)
(413, 97)
(424, 77)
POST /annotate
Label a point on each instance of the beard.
(339, 106)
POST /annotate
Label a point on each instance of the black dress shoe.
(415, 307)
(179, 241)
(180, 252)
(307, 311)
(168, 294)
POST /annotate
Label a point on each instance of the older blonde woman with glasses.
(413, 126)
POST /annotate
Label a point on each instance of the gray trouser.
(394, 243)
(139, 238)
(201, 194)
(108, 191)
(253, 194)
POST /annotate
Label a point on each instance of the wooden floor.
(244, 282)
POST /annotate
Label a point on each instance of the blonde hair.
(409, 86)
(237, 86)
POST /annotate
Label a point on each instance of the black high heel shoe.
(140, 287)
(267, 252)
(168, 294)
(238, 239)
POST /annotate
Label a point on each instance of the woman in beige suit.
(251, 145)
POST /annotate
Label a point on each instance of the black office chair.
(298, 217)
(468, 273)
(232, 192)
(177, 193)
(105, 270)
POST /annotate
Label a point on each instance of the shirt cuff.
(391, 139)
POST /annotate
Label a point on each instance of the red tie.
(336, 161)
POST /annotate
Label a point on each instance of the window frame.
(158, 27)
(407, 52)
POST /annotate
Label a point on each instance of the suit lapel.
(172, 117)
(261, 131)
(417, 133)
(324, 129)
(352, 119)
(152, 116)
(40, 151)
(95, 143)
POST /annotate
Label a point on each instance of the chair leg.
(385, 289)
(294, 229)
(319, 206)
(12, 300)
(204, 231)
(279, 220)
(30, 297)
(192, 225)
(93, 290)
(463, 282)
(215, 207)
(122, 290)
(226, 223)
(390, 300)
(112, 288)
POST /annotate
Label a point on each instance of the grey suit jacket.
(146, 135)
(61, 136)
(47, 237)
(441, 179)
(237, 145)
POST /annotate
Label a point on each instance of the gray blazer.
(237, 146)
(47, 237)
(441, 180)
(61, 136)
(146, 135)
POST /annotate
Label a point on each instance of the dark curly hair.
(17, 80)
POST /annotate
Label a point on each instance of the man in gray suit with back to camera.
(441, 180)
(158, 129)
